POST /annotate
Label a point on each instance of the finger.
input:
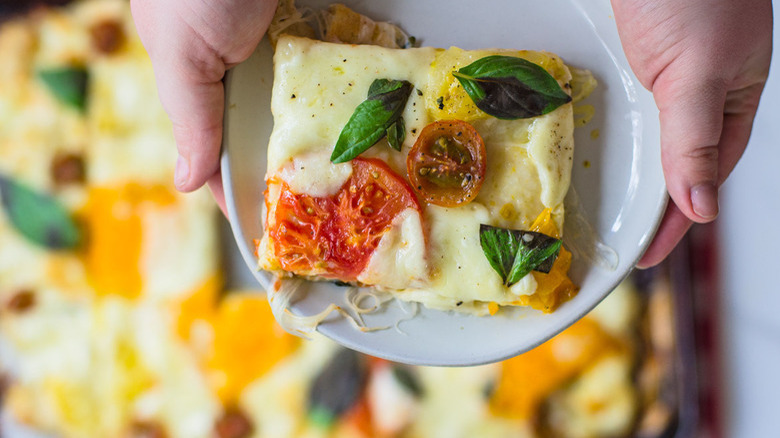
(673, 227)
(741, 107)
(691, 116)
(191, 91)
(188, 74)
(196, 116)
(215, 184)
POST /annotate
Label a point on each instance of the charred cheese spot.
(67, 168)
(233, 424)
(21, 301)
(107, 36)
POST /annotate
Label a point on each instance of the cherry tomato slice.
(446, 165)
(335, 236)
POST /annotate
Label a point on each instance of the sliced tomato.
(446, 165)
(335, 236)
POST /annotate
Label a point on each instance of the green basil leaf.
(372, 118)
(500, 247)
(507, 87)
(383, 86)
(515, 253)
(396, 134)
(537, 253)
(38, 217)
(68, 84)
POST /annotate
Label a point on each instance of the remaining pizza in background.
(415, 171)
(96, 245)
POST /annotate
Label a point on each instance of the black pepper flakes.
(440, 102)
(292, 97)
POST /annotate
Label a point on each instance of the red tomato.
(334, 236)
(446, 165)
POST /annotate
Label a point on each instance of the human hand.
(706, 62)
(192, 43)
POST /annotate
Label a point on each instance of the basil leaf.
(337, 387)
(67, 84)
(372, 118)
(407, 378)
(396, 134)
(515, 253)
(509, 88)
(537, 253)
(38, 217)
(383, 86)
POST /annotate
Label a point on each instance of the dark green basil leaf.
(515, 253)
(372, 118)
(407, 377)
(337, 387)
(38, 217)
(537, 253)
(507, 87)
(383, 86)
(396, 134)
(68, 84)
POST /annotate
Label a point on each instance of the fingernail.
(704, 198)
(182, 173)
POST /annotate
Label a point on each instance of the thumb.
(188, 73)
(691, 116)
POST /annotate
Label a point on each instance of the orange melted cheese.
(529, 379)
(247, 342)
(554, 288)
(114, 216)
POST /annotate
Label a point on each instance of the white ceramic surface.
(622, 191)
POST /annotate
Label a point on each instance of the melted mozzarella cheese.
(461, 272)
(455, 405)
(314, 175)
(109, 355)
(399, 260)
(318, 85)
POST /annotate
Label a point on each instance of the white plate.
(622, 192)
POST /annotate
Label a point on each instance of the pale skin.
(705, 61)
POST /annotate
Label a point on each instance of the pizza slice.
(424, 172)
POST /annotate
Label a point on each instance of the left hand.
(706, 62)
